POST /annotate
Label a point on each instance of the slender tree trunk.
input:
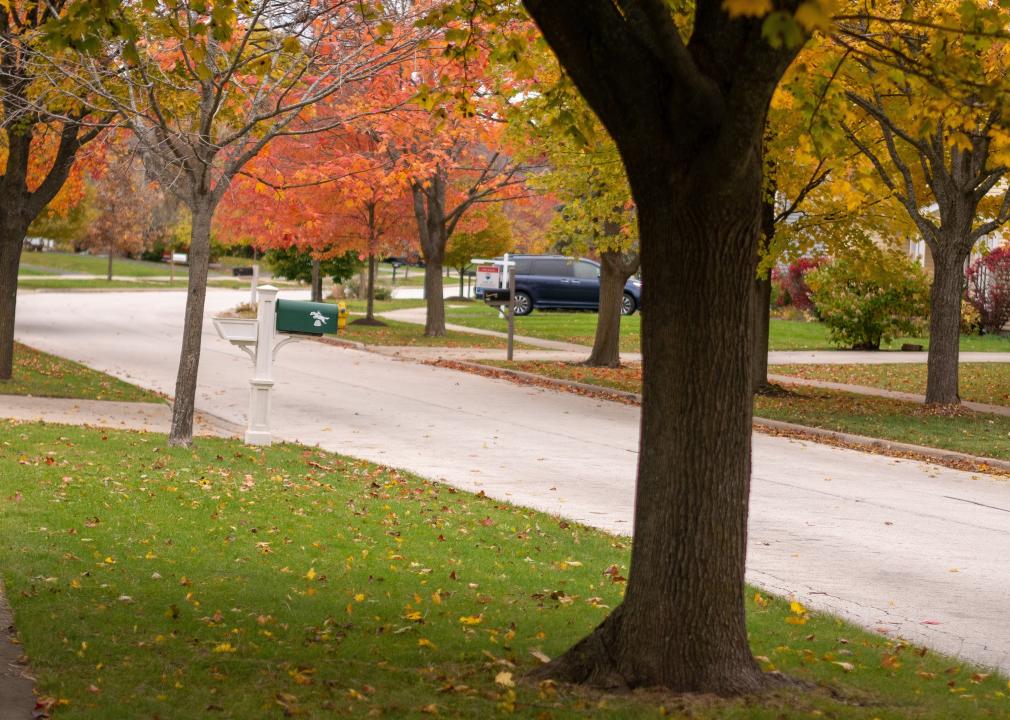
(181, 434)
(945, 326)
(429, 211)
(11, 243)
(761, 297)
(681, 624)
(434, 325)
(370, 307)
(108, 272)
(614, 273)
(316, 282)
(461, 291)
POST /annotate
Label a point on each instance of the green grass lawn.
(226, 581)
(795, 335)
(44, 375)
(980, 382)
(964, 431)
(401, 333)
(580, 328)
(57, 262)
(567, 326)
(32, 283)
(359, 306)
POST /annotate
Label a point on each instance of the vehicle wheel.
(628, 306)
(523, 304)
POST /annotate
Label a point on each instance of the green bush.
(869, 296)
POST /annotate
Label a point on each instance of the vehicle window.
(553, 267)
(524, 267)
(586, 270)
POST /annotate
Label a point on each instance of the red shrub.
(989, 288)
(792, 286)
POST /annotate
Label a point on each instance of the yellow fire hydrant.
(341, 316)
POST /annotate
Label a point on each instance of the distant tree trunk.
(616, 268)
(12, 237)
(945, 326)
(316, 282)
(761, 298)
(429, 211)
(112, 247)
(181, 434)
(461, 291)
(370, 307)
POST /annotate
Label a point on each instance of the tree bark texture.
(945, 295)
(181, 434)
(429, 210)
(615, 269)
(692, 149)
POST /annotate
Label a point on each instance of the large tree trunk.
(945, 326)
(192, 333)
(11, 242)
(692, 151)
(614, 273)
(761, 297)
(681, 624)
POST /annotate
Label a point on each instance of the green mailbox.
(307, 318)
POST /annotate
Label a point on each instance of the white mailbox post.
(493, 276)
(256, 339)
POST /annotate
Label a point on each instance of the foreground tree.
(39, 143)
(692, 150)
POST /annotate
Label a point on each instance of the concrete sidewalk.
(149, 417)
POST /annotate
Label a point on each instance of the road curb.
(890, 447)
(533, 378)
(887, 446)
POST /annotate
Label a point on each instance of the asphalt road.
(914, 550)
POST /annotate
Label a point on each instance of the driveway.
(912, 549)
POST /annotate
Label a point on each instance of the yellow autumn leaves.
(811, 15)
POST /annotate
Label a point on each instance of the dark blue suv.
(555, 281)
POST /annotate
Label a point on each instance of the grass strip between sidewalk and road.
(960, 430)
(979, 382)
(44, 375)
(236, 582)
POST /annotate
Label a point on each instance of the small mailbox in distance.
(496, 297)
(306, 318)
